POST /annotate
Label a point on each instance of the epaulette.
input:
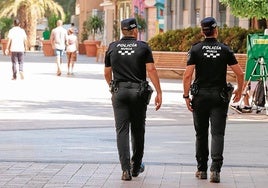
(196, 43)
(141, 41)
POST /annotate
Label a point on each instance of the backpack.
(258, 97)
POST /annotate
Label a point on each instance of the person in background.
(210, 97)
(126, 63)
(75, 30)
(266, 31)
(17, 45)
(46, 34)
(246, 107)
(58, 39)
(71, 50)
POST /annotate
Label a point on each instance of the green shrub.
(182, 39)
(5, 25)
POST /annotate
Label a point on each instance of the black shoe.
(247, 109)
(215, 177)
(259, 110)
(137, 171)
(201, 175)
(237, 109)
(126, 176)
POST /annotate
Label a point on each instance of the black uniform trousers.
(209, 108)
(130, 114)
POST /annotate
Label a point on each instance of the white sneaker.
(21, 75)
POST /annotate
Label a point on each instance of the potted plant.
(84, 36)
(5, 25)
(94, 25)
(141, 24)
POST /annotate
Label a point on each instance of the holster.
(113, 86)
(145, 91)
(194, 89)
(227, 92)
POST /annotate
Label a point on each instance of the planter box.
(4, 45)
(81, 48)
(91, 47)
(47, 48)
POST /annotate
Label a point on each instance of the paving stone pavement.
(59, 132)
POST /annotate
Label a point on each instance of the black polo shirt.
(128, 58)
(210, 58)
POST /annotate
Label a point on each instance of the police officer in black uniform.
(210, 102)
(126, 64)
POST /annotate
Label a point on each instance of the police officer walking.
(209, 103)
(126, 64)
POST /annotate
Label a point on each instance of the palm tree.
(28, 11)
(94, 25)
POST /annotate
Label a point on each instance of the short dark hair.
(16, 22)
(127, 32)
(208, 33)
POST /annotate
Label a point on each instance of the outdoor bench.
(173, 64)
(170, 61)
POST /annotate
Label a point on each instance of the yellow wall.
(84, 8)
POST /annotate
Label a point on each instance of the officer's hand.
(189, 104)
(158, 101)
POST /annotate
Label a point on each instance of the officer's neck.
(211, 37)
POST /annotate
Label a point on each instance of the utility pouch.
(112, 86)
(145, 91)
(194, 89)
(227, 92)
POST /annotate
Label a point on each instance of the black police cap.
(129, 24)
(208, 23)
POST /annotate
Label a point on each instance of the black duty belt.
(211, 88)
(128, 84)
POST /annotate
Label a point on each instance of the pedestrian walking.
(210, 101)
(58, 39)
(126, 64)
(17, 45)
(71, 50)
(75, 30)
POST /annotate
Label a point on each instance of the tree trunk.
(32, 31)
(255, 24)
(28, 23)
(23, 17)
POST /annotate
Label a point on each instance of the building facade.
(84, 9)
(160, 15)
(188, 13)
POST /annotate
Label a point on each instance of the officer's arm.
(240, 81)
(187, 80)
(108, 74)
(152, 73)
